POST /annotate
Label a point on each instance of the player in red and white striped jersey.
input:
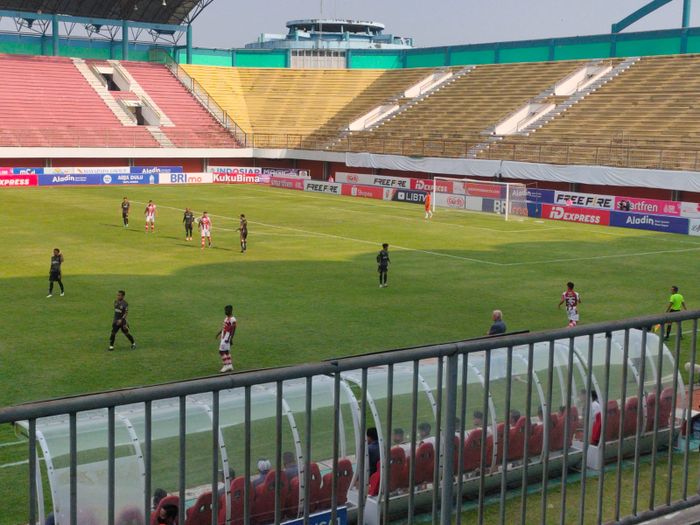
(572, 299)
(226, 334)
(150, 213)
(205, 228)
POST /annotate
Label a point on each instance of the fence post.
(450, 413)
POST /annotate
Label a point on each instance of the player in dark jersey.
(243, 229)
(121, 310)
(125, 211)
(188, 220)
(55, 271)
(383, 262)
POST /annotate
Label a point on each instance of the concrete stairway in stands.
(126, 118)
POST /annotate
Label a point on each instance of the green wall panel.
(650, 46)
(261, 58)
(420, 58)
(24, 47)
(375, 60)
(580, 51)
(461, 57)
(524, 54)
(209, 57)
(693, 44)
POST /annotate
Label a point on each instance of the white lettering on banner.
(16, 181)
(234, 170)
(82, 170)
(185, 178)
(322, 187)
(236, 178)
(560, 214)
(586, 200)
(694, 227)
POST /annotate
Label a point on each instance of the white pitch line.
(12, 444)
(447, 255)
(343, 238)
(596, 257)
(15, 464)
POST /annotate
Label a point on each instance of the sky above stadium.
(233, 23)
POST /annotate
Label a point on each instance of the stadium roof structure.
(147, 11)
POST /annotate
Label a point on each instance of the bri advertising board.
(355, 190)
(185, 178)
(333, 188)
(288, 183)
(645, 221)
(18, 181)
(575, 214)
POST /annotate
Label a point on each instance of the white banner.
(694, 227)
(690, 210)
(474, 203)
(373, 180)
(586, 200)
(322, 187)
(447, 200)
(80, 171)
(185, 178)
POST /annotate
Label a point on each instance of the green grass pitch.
(306, 290)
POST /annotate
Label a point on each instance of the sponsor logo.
(351, 177)
(644, 221)
(694, 227)
(107, 179)
(370, 192)
(454, 201)
(14, 181)
(415, 197)
(235, 170)
(68, 179)
(186, 178)
(690, 209)
(147, 170)
(561, 213)
(285, 172)
(290, 184)
(236, 178)
(653, 206)
(391, 182)
(492, 191)
(427, 185)
(586, 200)
(322, 187)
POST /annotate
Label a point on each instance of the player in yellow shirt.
(675, 303)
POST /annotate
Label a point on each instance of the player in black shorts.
(121, 310)
(125, 212)
(383, 262)
(243, 229)
(188, 221)
(55, 271)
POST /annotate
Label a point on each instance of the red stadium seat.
(344, 478)
(596, 429)
(471, 455)
(237, 501)
(556, 432)
(631, 412)
(535, 442)
(290, 507)
(200, 512)
(264, 500)
(612, 425)
(167, 500)
(665, 407)
(425, 463)
(314, 480)
(500, 430)
(397, 469)
(573, 423)
(374, 481)
(516, 440)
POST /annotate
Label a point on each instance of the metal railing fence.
(497, 453)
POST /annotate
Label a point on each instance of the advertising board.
(289, 183)
(645, 221)
(17, 181)
(322, 187)
(585, 200)
(185, 178)
(355, 190)
(576, 214)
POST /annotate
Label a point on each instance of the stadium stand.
(61, 109)
(463, 110)
(651, 106)
(297, 104)
(193, 125)
(68, 107)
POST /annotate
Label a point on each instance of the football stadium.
(332, 276)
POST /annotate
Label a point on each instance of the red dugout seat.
(631, 413)
(200, 512)
(237, 501)
(471, 455)
(398, 473)
(535, 442)
(130, 516)
(516, 440)
(264, 500)
(167, 500)
(425, 463)
(612, 425)
(344, 478)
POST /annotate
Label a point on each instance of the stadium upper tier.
(299, 102)
(653, 106)
(63, 102)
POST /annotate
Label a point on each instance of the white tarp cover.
(601, 175)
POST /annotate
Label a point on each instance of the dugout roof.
(146, 11)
